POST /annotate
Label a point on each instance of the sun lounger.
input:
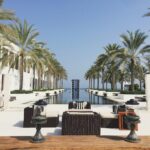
(52, 118)
(81, 123)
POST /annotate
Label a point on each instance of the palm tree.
(6, 14)
(91, 75)
(140, 74)
(111, 52)
(45, 64)
(147, 14)
(133, 46)
(7, 54)
(88, 76)
(109, 59)
(22, 36)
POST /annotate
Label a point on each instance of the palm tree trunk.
(62, 84)
(102, 79)
(21, 72)
(122, 85)
(97, 82)
(113, 81)
(50, 81)
(141, 85)
(56, 82)
(122, 79)
(106, 85)
(132, 75)
(33, 86)
(93, 83)
(39, 80)
(102, 84)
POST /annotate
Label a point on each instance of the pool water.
(66, 96)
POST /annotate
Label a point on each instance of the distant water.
(66, 96)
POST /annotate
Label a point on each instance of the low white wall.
(127, 97)
(101, 93)
(36, 95)
(111, 93)
(29, 96)
(97, 92)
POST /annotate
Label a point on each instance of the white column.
(147, 91)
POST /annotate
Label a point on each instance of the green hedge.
(109, 90)
(21, 92)
(42, 90)
(132, 92)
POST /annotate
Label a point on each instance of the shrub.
(136, 87)
(132, 92)
(36, 90)
(109, 90)
(21, 92)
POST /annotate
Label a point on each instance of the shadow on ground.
(115, 138)
(19, 124)
(57, 131)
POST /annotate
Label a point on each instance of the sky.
(78, 30)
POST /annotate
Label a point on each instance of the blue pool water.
(66, 96)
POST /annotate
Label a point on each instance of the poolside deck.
(74, 143)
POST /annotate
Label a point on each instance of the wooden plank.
(74, 143)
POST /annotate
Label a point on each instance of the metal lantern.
(38, 119)
(132, 121)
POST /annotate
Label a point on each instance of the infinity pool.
(66, 96)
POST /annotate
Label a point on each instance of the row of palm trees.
(31, 54)
(128, 62)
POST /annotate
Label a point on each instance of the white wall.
(14, 79)
(6, 91)
(147, 90)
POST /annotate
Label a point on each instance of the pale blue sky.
(77, 30)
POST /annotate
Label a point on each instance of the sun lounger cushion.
(80, 113)
(79, 105)
(51, 114)
(108, 115)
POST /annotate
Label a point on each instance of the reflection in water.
(66, 96)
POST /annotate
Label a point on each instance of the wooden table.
(74, 143)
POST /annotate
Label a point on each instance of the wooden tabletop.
(74, 143)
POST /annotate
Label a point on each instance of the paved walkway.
(11, 122)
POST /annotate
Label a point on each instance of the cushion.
(51, 114)
(74, 104)
(40, 102)
(108, 115)
(80, 113)
(84, 104)
(84, 110)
